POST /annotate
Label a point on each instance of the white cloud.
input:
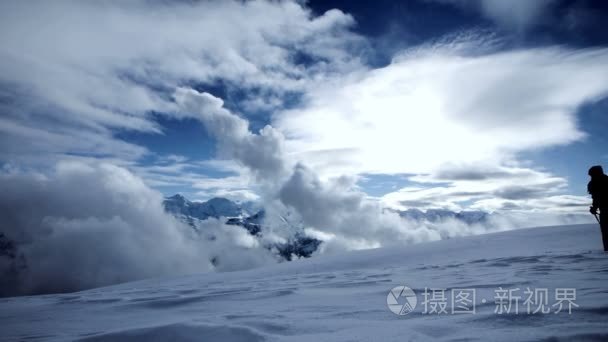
(236, 195)
(262, 153)
(333, 208)
(227, 183)
(116, 230)
(454, 118)
(73, 78)
(439, 104)
(556, 204)
(88, 68)
(432, 105)
(105, 234)
(497, 189)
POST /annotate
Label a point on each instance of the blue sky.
(430, 103)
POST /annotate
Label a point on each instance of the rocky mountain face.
(297, 244)
(252, 223)
(216, 207)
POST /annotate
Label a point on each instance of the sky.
(329, 113)
(461, 105)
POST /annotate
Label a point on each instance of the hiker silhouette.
(598, 188)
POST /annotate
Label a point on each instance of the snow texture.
(341, 297)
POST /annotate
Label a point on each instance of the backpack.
(598, 189)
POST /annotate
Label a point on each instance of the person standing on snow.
(598, 188)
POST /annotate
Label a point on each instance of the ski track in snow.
(341, 298)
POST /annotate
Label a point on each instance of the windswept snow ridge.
(344, 298)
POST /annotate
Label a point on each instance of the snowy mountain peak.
(177, 200)
(297, 244)
(216, 207)
(219, 206)
(178, 197)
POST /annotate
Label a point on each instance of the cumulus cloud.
(342, 216)
(440, 104)
(106, 73)
(333, 206)
(457, 120)
(331, 209)
(87, 225)
(87, 68)
(261, 153)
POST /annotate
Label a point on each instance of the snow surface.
(342, 297)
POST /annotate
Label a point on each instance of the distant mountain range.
(298, 244)
(255, 222)
(216, 207)
(438, 215)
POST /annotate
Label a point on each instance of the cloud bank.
(450, 102)
(444, 104)
(333, 209)
(92, 225)
(71, 77)
(454, 122)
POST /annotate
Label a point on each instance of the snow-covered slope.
(344, 297)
